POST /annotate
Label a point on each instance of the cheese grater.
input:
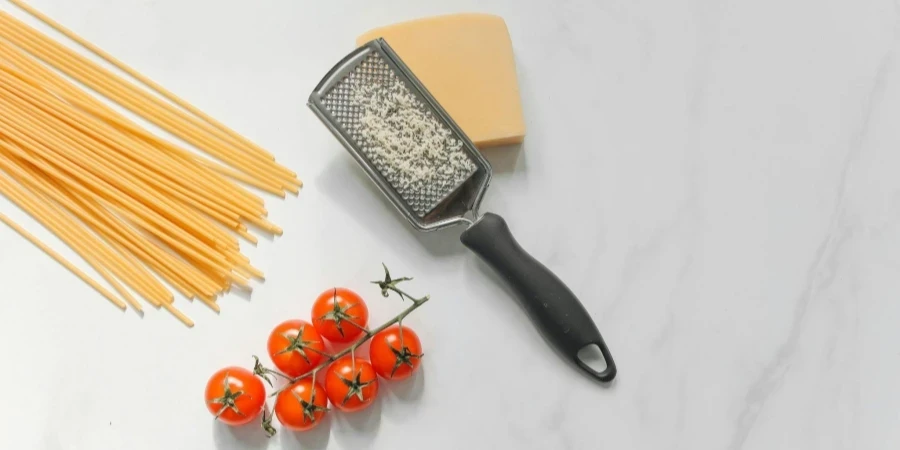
(433, 174)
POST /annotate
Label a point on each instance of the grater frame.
(558, 315)
(461, 205)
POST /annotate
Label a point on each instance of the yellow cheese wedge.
(466, 61)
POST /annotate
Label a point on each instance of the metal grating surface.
(424, 181)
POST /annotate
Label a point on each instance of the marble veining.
(716, 180)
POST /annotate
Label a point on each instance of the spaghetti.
(149, 215)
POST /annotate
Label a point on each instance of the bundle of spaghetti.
(148, 215)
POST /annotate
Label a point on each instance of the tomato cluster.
(298, 349)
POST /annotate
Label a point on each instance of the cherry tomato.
(395, 352)
(351, 384)
(302, 406)
(235, 396)
(295, 347)
(335, 309)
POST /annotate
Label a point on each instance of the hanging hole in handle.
(595, 359)
(592, 357)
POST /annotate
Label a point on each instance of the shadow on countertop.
(408, 390)
(315, 439)
(250, 436)
(358, 429)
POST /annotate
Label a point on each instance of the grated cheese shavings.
(412, 148)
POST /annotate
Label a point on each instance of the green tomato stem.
(387, 285)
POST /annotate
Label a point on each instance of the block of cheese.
(466, 62)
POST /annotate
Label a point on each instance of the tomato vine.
(388, 286)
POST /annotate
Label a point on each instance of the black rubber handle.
(554, 309)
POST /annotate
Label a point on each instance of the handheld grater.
(433, 174)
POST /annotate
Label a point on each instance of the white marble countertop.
(716, 180)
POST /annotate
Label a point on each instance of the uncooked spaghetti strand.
(78, 97)
(52, 223)
(216, 261)
(210, 168)
(175, 191)
(177, 283)
(184, 269)
(27, 175)
(129, 185)
(183, 279)
(214, 125)
(170, 189)
(177, 231)
(264, 185)
(46, 188)
(190, 287)
(250, 270)
(191, 257)
(265, 225)
(178, 315)
(208, 301)
(44, 48)
(66, 90)
(65, 263)
(155, 288)
(159, 224)
(138, 76)
(67, 229)
(242, 272)
(100, 167)
(145, 211)
(247, 236)
(167, 305)
(180, 280)
(53, 123)
(228, 277)
(214, 168)
(219, 280)
(122, 148)
(239, 280)
(107, 163)
(171, 123)
(154, 256)
(168, 275)
(154, 177)
(253, 168)
(240, 200)
(26, 63)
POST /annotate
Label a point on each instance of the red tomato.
(351, 384)
(395, 353)
(302, 406)
(295, 347)
(235, 396)
(340, 315)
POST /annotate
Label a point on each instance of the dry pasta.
(149, 215)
